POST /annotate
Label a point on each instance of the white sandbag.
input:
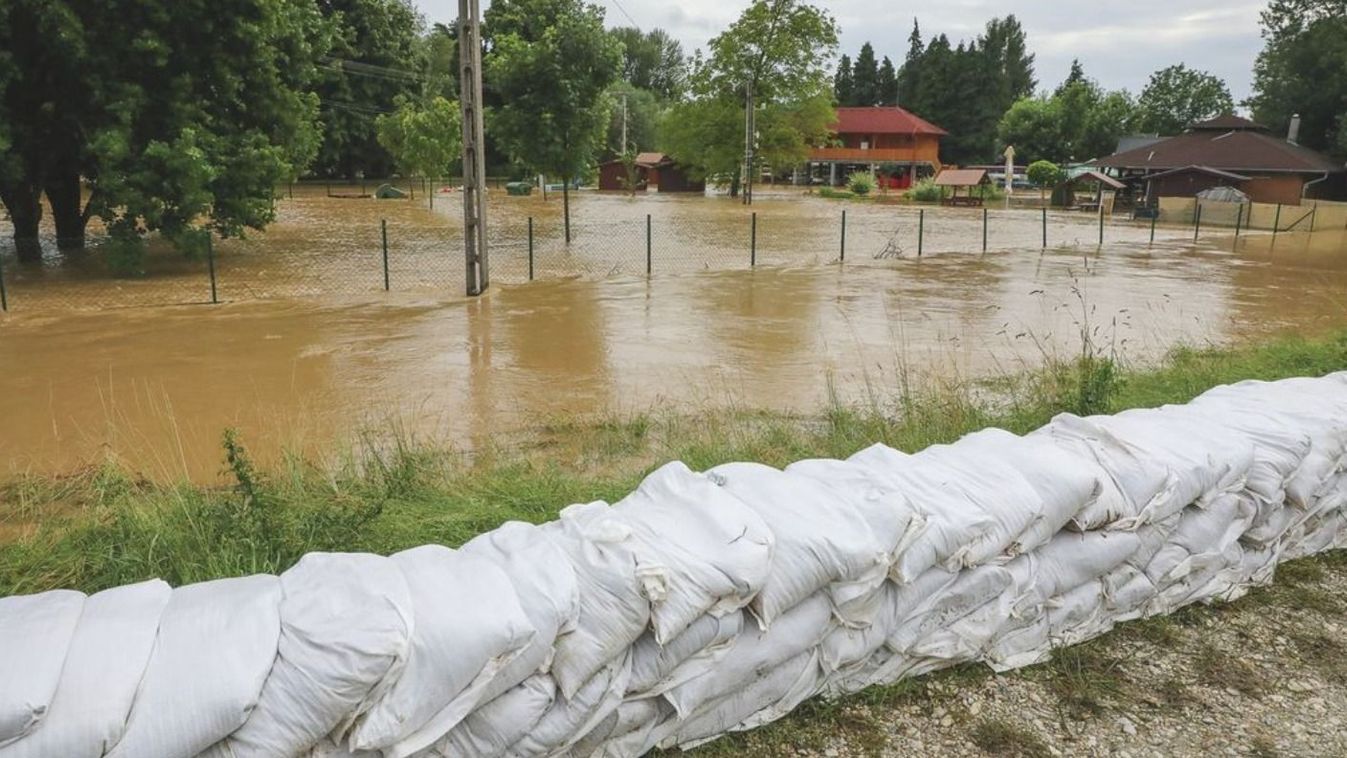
(701, 550)
(1208, 461)
(467, 628)
(692, 653)
(1065, 487)
(1280, 442)
(357, 604)
(1074, 559)
(821, 540)
(571, 718)
(215, 647)
(954, 526)
(548, 593)
(879, 500)
(35, 634)
(1134, 484)
(846, 647)
(633, 732)
(989, 485)
(765, 697)
(1077, 615)
(755, 651)
(489, 731)
(613, 612)
(106, 660)
(939, 598)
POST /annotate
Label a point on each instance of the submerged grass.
(105, 526)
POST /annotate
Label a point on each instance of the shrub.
(836, 194)
(862, 183)
(1044, 174)
(926, 191)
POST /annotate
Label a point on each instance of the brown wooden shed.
(654, 171)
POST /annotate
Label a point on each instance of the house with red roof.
(1228, 151)
(867, 138)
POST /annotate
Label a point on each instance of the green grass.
(1000, 737)
(104, 526)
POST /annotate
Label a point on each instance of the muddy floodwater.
(154, 386)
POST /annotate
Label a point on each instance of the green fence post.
(921, 230)
(1239, 219)
(843, 255)
(1101, 221)
(1154, 217)
(1277, 222)
(984, 230)
(530, 248)
(383, 232)
(210, 262)
(753, 241)
(647, 244)
(1313, 215)
(1197, 222)
(4, 299)
(1045, 228)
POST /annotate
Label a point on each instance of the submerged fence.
(363, 257)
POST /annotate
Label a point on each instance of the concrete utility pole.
(624, 123)
(474, 152)
(750, 129)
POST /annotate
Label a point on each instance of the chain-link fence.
(366, 251)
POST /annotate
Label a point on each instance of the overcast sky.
(1120, 44)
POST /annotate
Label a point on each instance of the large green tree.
(1303, 70)
(1079, 121)
(865, 78)
(551, 63)
(377, 56)
(1177, 97)
(967, 87)
(176, 118)
(642, 115)
(424, 140)
(844, 82)
(653, 61)
(887, 88)
(780, 51)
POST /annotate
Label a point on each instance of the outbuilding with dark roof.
(1225, 151)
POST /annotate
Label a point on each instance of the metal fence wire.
(367, 254)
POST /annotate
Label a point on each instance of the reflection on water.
(154, 387)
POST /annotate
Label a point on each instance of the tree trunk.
(734, 186)
(23, 200)
(566, 205)
(63, 192)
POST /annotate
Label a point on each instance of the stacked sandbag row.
(701, 603)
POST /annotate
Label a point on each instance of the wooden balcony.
(872, 155)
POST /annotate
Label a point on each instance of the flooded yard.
(153, 387)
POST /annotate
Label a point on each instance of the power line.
(618, 6)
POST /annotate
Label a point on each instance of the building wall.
(924, 148)
(613, 177)
(1284, 189)
(674, 179)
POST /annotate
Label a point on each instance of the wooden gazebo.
(959, 178)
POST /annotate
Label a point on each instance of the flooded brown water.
(154, 387)
(324, 246)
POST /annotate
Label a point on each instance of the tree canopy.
(653, 61)
(551, 63)
(1177, 97)
(967, 87)
(423, 140)
(1079, 121)
(1303, 69)
(175, 121)
(781, 50)
(377, 56)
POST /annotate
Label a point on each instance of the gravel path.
(1263, 676)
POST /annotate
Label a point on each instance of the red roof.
(882, 120)
(1238, 150)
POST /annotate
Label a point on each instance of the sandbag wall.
(702, 603)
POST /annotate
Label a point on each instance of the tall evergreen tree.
(844, 88)
(887, 93)
(865, 74)
(1077, 76)
(909, 77)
